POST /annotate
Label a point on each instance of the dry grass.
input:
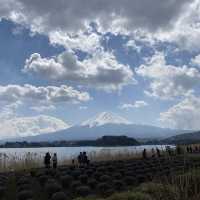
(16, 162)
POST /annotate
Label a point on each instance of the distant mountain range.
(103, 124)
(187, 138)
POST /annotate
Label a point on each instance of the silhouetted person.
(55, 160)
(85, 159)
(196, 149)
(80, 158)
(188, 149)
(73, 162)
(47, 160)
(158, 152)
(191, 150)
(153, 155)
(144, 154)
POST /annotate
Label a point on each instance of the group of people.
(193, 149)
(154, 153)
(83, 159)
(48, 159)
(171, 151)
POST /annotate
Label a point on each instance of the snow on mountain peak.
(105, 118)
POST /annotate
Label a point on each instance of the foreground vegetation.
(165, 178)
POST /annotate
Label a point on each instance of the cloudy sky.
(65, 61)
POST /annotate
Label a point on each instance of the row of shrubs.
(3, 183)
(180, 187)
(104, 179)
(98, 179)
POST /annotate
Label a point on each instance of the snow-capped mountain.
(105, 118)
(101, 125)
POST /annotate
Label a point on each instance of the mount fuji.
(104, 124)
(105, 118)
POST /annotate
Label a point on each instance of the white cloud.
(30, 126)
(196, 61)
(184, 115)
(83, 107)
(168, 20)
(131, 44)
(168, 81)
(186, 29)
(87, 42)
(136, 104)
(44, 16)
(101, 71)
(9, 111)
(43, 108)
(175, 21)
(50, 94)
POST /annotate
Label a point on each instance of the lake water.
(72, 152)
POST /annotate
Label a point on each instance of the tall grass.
(14, 162)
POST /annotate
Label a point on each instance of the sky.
(62, 62)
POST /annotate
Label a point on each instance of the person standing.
(86, 161)
(80, 159)
(144, 154)
(55, 160)
(47, 160)
(158, 152)
(153, 155)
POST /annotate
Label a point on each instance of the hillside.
(105, 141)
(187, 138)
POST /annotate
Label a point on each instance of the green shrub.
(83, 191)
(129, 180)
(75, 184)
(52, 187)
(89, 172)
(92, 183)
(103, 188)
(59, 196)
(23, 187)
(66, 180)
(83, 179)
(24, 195)
(97, 175)
(76, 173)
(43, 179)
(117, 176)
(2, 191)
(118, 185)
(105, 178)
(23, 180)
(130, 196)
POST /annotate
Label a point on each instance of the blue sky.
(83, 60)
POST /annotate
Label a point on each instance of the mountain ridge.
(185, 138)
(103, 124)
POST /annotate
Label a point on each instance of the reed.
(10, 162)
